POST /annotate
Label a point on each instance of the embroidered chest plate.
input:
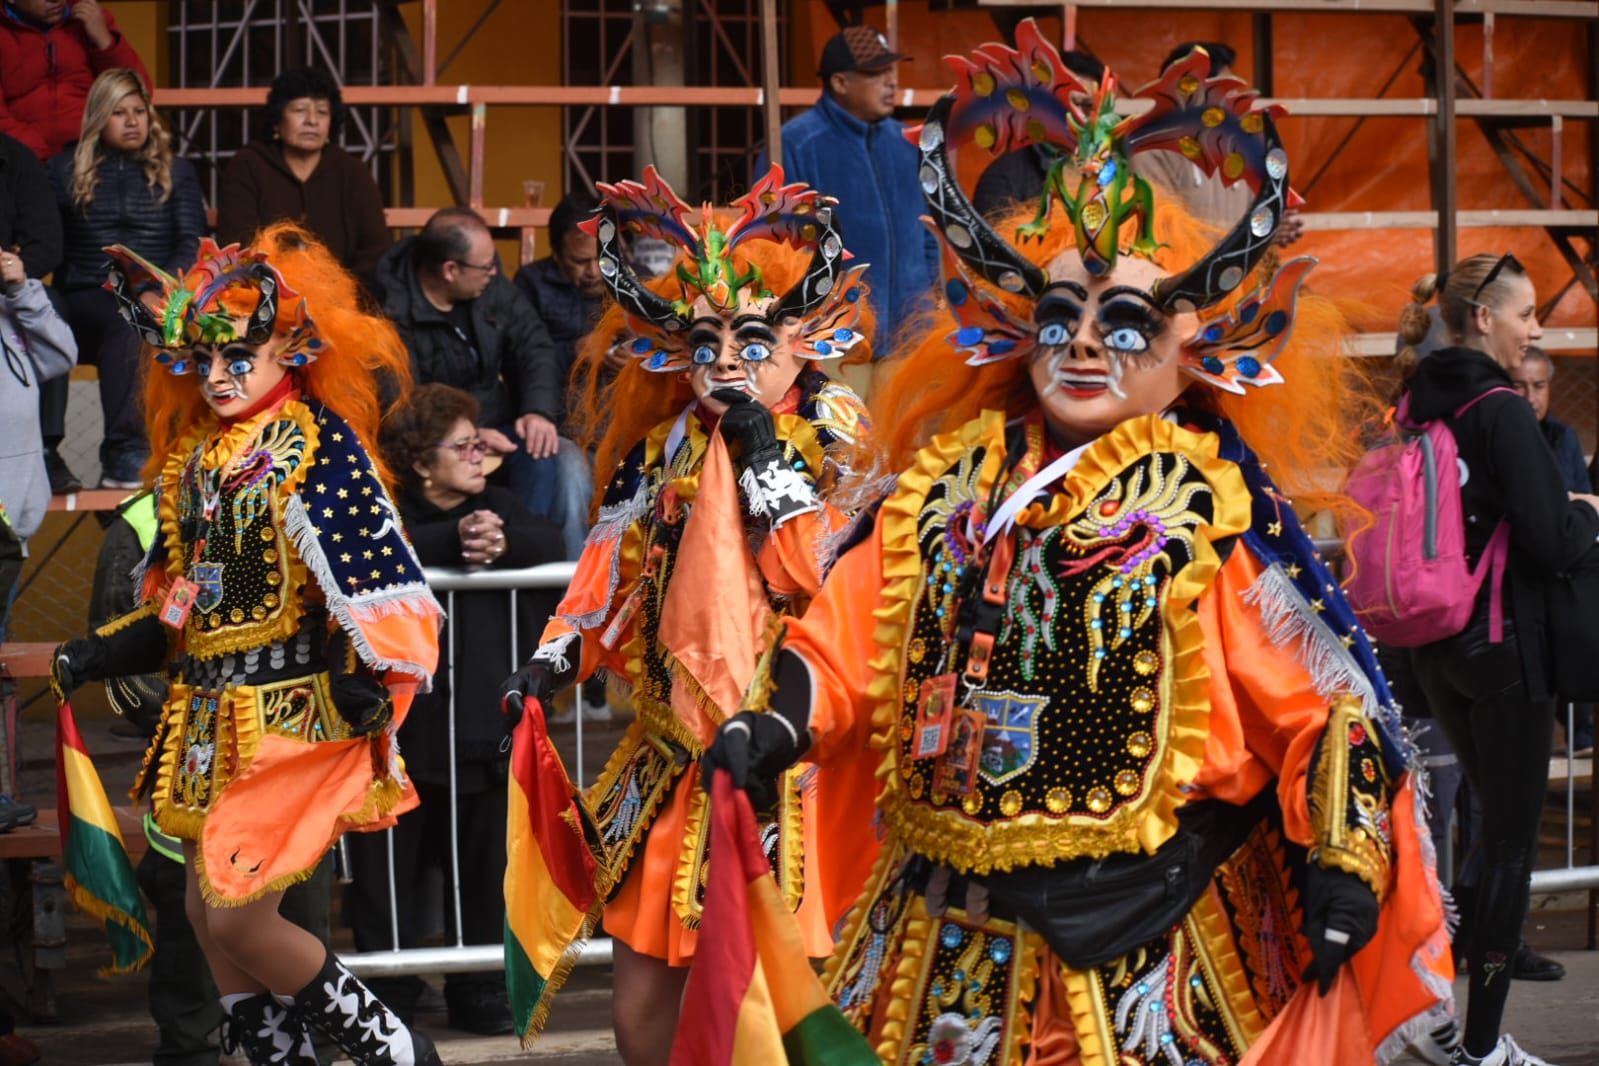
(229, 517)
(1078, 706)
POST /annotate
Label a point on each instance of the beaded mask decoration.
(205, 306)
(826, 301)
(1012, 98)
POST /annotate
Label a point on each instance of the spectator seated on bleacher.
(50, 54)
(296, 173)
(122, 185)
(464, 325)
(567, 291)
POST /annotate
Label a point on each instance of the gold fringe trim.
(557, 978)
(888, 859)
(968, 845)
(147, 609)
(616, 862)
(662, 721)
(1210, 933)
(685, 880)
(277, 884)
(1096, 1040)
(898, 1022)
(1024, 988)
(95, 907)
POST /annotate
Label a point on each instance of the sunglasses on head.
(1505, 260)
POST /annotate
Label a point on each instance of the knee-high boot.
(268, 1033)
(346, 1011)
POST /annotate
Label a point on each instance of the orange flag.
(716, 611)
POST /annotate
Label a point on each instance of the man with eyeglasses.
(466, 326)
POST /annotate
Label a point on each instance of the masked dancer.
(1143, 792)
(284, 601)
(692, 554)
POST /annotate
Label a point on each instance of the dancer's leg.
(646, 994)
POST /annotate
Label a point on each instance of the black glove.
(747, 427)
(534, 680)
(137, 647)
(754, 749)
(77, 661)
(360, 698)
(1340, 919)
(553, 667)
(362, 701)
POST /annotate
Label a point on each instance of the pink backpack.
(1411, 584)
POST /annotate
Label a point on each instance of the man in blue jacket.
(850, 146)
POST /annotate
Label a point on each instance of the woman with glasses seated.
(453, 518)
(1492, 698)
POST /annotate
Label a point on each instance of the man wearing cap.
(850, 146)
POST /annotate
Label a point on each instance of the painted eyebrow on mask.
(705, 331)
(754, 327)
(1127, 290)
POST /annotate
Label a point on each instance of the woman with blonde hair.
(120, 184)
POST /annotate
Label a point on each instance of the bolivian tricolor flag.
(99, 877)
(553, 894)
(752, 997)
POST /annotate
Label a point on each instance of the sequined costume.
(278, 527)
(666, 609)
(1107, 703)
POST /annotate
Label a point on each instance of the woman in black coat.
(454, 519)
(1494, 699)
(120, 184)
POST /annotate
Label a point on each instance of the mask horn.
(650, 308)
(957, 219)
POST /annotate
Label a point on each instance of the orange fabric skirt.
(642, 915)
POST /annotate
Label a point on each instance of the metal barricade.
(460, 957)
(465, 958)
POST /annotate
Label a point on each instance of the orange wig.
(360, 349)
(615, 413)
(1300, 429)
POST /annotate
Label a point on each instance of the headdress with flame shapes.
(173, 315)
(826, 301)
(1009, 98)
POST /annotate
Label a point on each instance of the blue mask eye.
(755, 351)
(240, 367)
(1053, 335)
(704, 355)
(1126, 339)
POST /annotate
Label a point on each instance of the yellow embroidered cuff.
(1349, 794)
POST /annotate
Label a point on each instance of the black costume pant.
(107, 341)
(1502, 738)
(422, 842)
(183, 998)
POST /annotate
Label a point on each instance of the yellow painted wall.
(519, 44)
(144, 25)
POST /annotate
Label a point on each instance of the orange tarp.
(1337, 56)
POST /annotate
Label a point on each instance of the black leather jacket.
(126, 210)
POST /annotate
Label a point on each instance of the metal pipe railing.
(467, 958)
